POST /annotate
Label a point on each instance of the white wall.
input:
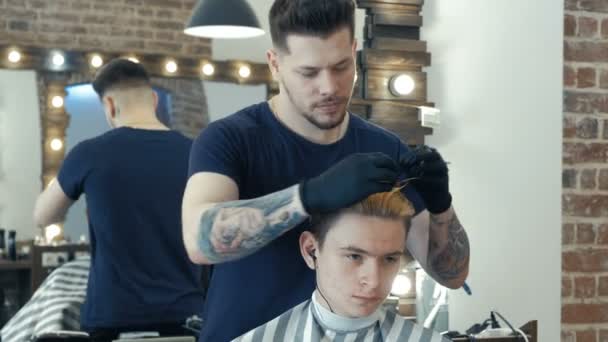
(224, 99)
(497, 78)
(20, 151)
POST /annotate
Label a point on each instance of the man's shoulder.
(247, 118)
(372, 131)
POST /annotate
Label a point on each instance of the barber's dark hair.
(319, 18)
(120, 73)
(389, 205)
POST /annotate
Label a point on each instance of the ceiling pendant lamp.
(223, 19)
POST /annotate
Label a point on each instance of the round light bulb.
(58, 59)
(402, 85)
(171, 66)
(244, 71)
(57, 101)
(208, 69)
(56, 144)
(51, 232)
(401, 285)
(96, 61)
(14, 56)
(133, 59)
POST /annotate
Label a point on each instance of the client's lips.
(367, 298)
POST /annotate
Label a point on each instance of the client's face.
(358, 262)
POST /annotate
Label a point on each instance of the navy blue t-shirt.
(134, 181)
(263, 156)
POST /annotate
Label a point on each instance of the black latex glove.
(431, 173)
(349, 181)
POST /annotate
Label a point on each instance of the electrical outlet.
(429, 116)
(54, 259)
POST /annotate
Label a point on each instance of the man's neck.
(287, 114)
(141, 121)
(339, 322)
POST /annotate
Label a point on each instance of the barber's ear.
(273, 63)
(308, 249)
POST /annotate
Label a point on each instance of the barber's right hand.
(349, 181)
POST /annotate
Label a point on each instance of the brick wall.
(150, 26)
(189, 104)
(585, 172)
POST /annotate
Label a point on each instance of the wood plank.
(396, 18)
(372, 31)
(383, 43)
(377, 85)
(373, 6)
(391, 59)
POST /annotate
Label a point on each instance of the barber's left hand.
(431, 172)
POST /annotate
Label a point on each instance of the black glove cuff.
(440, 205)
(303, 197)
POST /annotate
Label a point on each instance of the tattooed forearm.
(232, 230)
(448, 249)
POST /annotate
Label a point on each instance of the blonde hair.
(390, 205)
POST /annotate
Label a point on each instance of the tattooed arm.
(448, 249)
(218, 228)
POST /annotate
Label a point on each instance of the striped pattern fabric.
(301, 324)
(54, 306)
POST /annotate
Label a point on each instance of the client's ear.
(308, 248)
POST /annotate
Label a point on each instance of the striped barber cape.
(54, 306)
(301, 324)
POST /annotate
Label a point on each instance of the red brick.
(603, 79)
(584, 287)
(586, 336)
(579, 102)
(602, 234)
(164, 3)
(588, 179)
(587, 27)
(566, 287)
(569, 178)
(604, 28)
(603, 336)
(575, 153)
(569, 25)
(587, 128)
(593, 5)
(585, 78)
(602, 288)
(568, 233)
(569, 76)
(569, 127)
(603, 179)
(585, 51)
(585, 233)
(585, 260)
(584, 313)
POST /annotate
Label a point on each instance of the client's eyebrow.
(364, 252)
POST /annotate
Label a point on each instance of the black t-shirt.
(134, 181)
(263, 156)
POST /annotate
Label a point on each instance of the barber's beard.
(316, 118)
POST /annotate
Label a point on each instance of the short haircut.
(120, 73)
(319, 18)
(388, 205)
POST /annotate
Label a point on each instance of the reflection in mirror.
(87, 120)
